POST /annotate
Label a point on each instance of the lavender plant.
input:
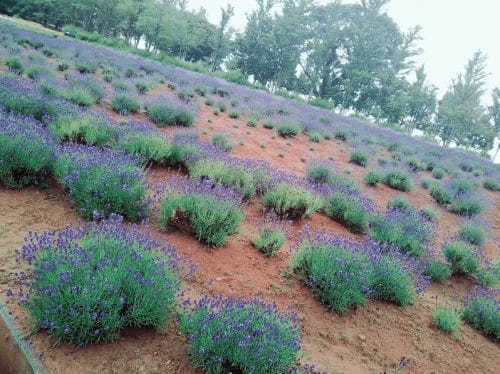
(102, 181)
(125, 104)
(292, 201)
(88, 283)
(166, 113)
(349, 209)
(344, 273)
(210, 210)
(88, 129)
(27, 151)
(482, 311)
(236, 335)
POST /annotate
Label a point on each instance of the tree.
(462, 118)
(222, 38)
(494, 111)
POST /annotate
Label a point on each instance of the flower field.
(157, 220)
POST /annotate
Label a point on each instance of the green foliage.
(142, 87)
(341, 135)
(348, 210)
(440, 194)
(269, 241)
(427, 183)
(100, 188)
(491, 184)
(87, 129)
(339, 275)
(392, 283)
(489, 276)
(81, 97)
(374, 177)
(446, 319)
(437, 270)
(209, 101)
(319, 173)
(86, 66)
(359, 158)
(438, 173)
(288, 129)
(238, 336)
(119, 284)
(467, 205)
(36, 72)
(24, 160)
(222, 141)
(151, 146)
(167, 114)
(483, 313)
(228, 175)
(292, 201)
(234, 114)
(398, 179)
(36, 107)
(429, 214)
(462, 258)
(472, 233)
(14, 64)
(316, 137)
(399, 202)
(212, 220)
(125, 104)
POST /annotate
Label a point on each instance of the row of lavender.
(254, 101)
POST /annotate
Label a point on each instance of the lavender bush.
(102, 181)
(212, 211)
(88, 283)
(236, 335)
(27, 151)
(482, 311)
(344, 273)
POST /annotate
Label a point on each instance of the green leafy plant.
(292, 201)
(374, 177)
(316, 137)
(462, 258)
(482, 312)
(446, 319)
(287, 129)
(348, 210)
(14, 64)
(150, 146)
(472, 233)
(222, 141)
(438, 173)
(87, 129)
(269, 241)
(398, 179)
(437, 270)
(169, 114)
(125, 104)
(359, 158)
(491, 184)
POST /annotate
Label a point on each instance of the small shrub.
(488, 276)
(234, 114)
(415, 164)
(319, 172)
(268, 125)
(429, 214)
(462, 258)
(446, 319)
(36, 72)
(491, 184)
(399, 202)
(288, 129)
(374, 177)
(86, 67)
(427, 183)
(142, 87)
(120, 86)
(27, 152)
(48, 52)
(80, 96)
(405, 229)
(348, 210)
(398, 179)
(14, 64)
(438, 173)
(341, 135)
(359, 158)
(437, 270)
(125, 104)
(239, 336)
(85, 129)
(91, 282)
(212, 219)
(222, 141)
(130, 73)
(62, 66)
(269, 241)
(209, 101)
(440, 194)
(482, 312)
(200, 90)
(472, 234)
(103, 181)
(316, 137)
(221, 106)
(292, 201)
(169, 114)
(150, 146)
(468, 205)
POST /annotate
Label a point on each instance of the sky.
(451, 29)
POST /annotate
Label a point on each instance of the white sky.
(451, 29)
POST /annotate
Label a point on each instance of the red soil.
(377, 338)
